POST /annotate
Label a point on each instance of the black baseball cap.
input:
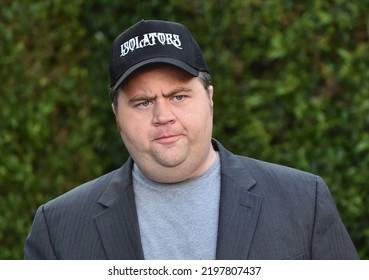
(154, 41)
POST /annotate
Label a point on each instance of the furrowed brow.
(176, 91)
(140, 98)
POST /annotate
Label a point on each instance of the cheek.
(132, 131)
(198, 119)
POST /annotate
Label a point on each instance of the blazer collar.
(239, 208)
(118, 223)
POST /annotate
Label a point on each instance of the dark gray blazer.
(266, 211)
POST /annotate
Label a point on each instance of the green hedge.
(291, 86)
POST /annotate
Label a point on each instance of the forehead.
(156, 73)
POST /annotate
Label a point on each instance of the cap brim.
(167, 60)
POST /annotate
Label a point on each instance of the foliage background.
(291, 85)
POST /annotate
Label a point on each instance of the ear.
(113, 108)
(211, 93)
(116, 118)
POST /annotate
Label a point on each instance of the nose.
(162, 113)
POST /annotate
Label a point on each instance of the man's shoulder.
(267, 178)
(82, 195)
(274, 169)
(275, 182)
(258, 167)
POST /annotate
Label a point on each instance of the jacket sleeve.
(330, 239)
(38, 245)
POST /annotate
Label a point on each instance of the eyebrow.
(177, 90)
(145, 97)
(142, 97)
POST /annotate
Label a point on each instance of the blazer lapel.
(118, 223)
(239, 209)
(238, 212)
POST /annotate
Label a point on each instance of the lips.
(167, 139)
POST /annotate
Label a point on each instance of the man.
(181, 194)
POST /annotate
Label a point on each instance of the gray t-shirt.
(179, 221)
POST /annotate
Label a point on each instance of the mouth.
(167, 139)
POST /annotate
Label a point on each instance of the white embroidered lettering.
(150, 39)
(132, 44)
(177, 42)
(124, 49)
(145, 41)
(138, 44)
(161, 38)
(168, 38)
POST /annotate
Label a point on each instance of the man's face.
(164, 116)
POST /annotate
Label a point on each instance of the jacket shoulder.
(278, 171)
(83, 194)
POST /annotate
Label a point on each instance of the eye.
(143, 104)
(178, 97)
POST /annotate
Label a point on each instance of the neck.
(182, 172)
